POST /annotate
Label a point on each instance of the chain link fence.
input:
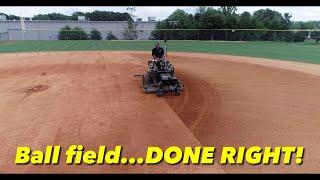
(169, 34)
(4, 36)
(236, 35)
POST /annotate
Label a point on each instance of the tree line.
(226, 17)
(77, 33)
(10, 17)
(90, 16)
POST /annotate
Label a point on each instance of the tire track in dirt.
(29, 130)
(197, 101)
(194, 103)
(252, 102)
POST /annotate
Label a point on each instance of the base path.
(92, 98)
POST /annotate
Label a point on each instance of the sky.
(299, 13)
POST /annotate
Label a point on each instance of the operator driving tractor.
(160, 76)
(157, 52)
(158, 55)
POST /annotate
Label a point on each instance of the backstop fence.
(169, 34)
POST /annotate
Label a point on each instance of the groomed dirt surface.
(92, 98)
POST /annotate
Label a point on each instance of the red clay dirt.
(92, 98)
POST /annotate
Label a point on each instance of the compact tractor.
(160, 77)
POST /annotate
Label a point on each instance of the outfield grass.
(305, 52)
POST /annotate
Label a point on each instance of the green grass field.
(304, 52)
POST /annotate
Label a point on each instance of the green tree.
(228, 10)
(302, 35)
(58, 16)
(201, 10)
(51, 16)
(77, 33)
(179, 19)
(232, 22)
(286, 21)
(130, 32)
(75, 15)
(107, 16)
(10, 17)
(13, 17)
(272, 19)
(91, 16)
(95, 35)
(302, 25)
(41, 17)
(246, 21)
(4, 15)
(184, 20)
(211, 19)
(110, 36)
(64, 33)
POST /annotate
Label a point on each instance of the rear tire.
(159, 92)
(177, 91)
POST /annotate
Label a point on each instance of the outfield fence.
(170, 34)
(4, 36)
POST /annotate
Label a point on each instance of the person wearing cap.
(157, 51)
(157, 54)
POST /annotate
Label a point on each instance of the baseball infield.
(92, 98)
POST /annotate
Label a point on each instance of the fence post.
(240, 35)
(184, 34)
(274, 35)
(198, 34)
(226, 35)
(211, 34)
